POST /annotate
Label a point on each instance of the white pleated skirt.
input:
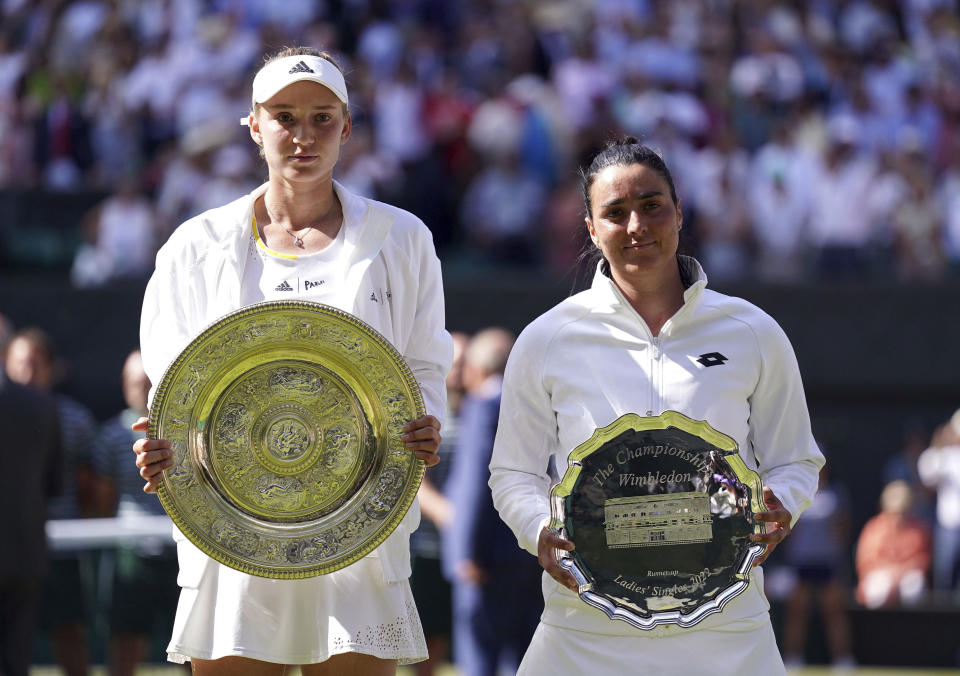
(740, 647)
(223, 612)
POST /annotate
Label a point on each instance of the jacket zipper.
(656, 353)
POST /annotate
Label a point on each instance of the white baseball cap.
(283, 72)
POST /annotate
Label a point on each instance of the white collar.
(608, 292)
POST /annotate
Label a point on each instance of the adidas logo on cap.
(301, 67)
(284, 287)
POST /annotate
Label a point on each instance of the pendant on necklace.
(298, 241)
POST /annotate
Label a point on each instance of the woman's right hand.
(546, 544)
(153, 456)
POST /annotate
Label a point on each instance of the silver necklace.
(296, 239)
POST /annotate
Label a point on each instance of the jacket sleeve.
(429, 348)
(787, 455)
(164, 326)
(526, 438)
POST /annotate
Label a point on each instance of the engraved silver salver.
(285, 420)
(660, 510)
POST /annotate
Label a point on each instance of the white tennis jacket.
(391, 280)
(592, 358)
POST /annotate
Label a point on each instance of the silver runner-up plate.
(660, 510)
(285, 420)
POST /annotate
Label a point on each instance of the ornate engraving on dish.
(284, 437)
(234, 538)
(288, 439)
(315, 549)
(278, 493)
(311, 431)
(385, 495)
(342, 441)
(285, 420)
(296, 379)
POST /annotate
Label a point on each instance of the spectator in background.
(231, 168)
(722, 213)
(448, 109)
(501, 211)
(918, 233)
(144, 586)
(816, 551)
(583, 84)
(213, 67)
(32, 456)
(364, 171)
(877, 132)
(148, 90)
(948, 196)
(32, 361)
(780, 207)
(430, 589)
(496, 590)
(563, 235)
(398, 117)
(893, 552)
(765, 80)
(907, 216)
(123, 238)
(921, 115)
(840, 225)
(13, 64)
(187, 171)
(939, 468)
(902, 466)
(543, 134)
(61, 143)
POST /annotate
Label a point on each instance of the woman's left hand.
(422, 436)
(778, 519)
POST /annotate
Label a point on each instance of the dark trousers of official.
(19, 600)
(494, 622)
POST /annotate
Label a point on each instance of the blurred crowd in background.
(815, 139)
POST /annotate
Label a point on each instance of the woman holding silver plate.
(301, 235)
(647, 338)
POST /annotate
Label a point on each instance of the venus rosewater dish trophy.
(285, 420)
(660, 510)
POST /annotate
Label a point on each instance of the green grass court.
(160, 670)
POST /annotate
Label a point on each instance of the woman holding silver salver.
(648, 338)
